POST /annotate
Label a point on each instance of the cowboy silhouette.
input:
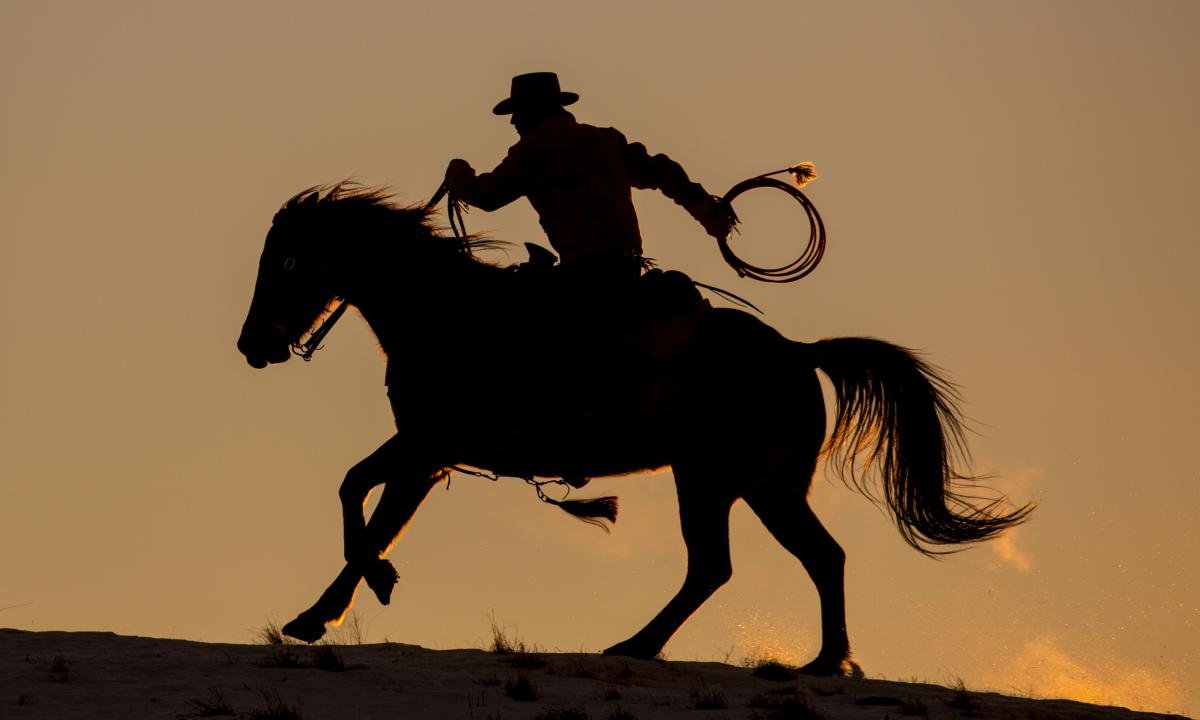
(578, 178)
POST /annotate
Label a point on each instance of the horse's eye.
(289, 264)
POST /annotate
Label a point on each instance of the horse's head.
(344, 241)
(294, 285)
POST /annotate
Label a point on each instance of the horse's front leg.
(406, 484)
(393, 461)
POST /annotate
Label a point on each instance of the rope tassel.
(594, 511)
(803, 173)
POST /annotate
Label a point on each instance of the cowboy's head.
(533, 97)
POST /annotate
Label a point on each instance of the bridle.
(306, 349)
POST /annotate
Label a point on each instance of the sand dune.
(99, 675)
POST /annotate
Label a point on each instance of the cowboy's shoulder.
(610, 134)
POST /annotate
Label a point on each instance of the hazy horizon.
(1007, 188)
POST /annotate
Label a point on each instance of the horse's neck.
(415, 314)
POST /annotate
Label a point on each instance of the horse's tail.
(898, 417)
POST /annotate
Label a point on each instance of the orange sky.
(1007, 187)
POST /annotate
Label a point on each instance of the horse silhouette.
(737, 412)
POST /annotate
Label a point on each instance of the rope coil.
(814, 248)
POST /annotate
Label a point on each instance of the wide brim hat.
(539, 88)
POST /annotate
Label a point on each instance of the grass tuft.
(963, 702)
(708, 698)
(274, 708)
(773, 670)
(521, 689)
(913, 707)
(213, 705)
(326, 657)
(352, 630)
(502, 645)
(271, 634)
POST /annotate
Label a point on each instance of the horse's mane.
(352, 199)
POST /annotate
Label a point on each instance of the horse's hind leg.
(704, 520)
(782, 505)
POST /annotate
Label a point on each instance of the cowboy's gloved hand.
(714, 216)
(458, 172)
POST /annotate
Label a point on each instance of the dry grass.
(214, 705)
(326, 657)
(708, 698)
(271, 634)
(521, 688)
(773, 670)
(963, 702)
(502, 645)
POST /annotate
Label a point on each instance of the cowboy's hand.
(458, 172)
(714, 216)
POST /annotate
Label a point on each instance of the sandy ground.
(65, 675)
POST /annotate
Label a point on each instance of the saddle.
(657, 312)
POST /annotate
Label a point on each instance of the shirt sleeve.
(509, 181)
(659, 172)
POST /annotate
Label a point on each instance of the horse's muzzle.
(261, 351)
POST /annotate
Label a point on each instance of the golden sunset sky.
(1009, 187)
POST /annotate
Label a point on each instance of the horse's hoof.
(631, 649)
(832, 667)
(304, 628)
(381, 577)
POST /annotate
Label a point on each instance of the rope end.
(803, 173)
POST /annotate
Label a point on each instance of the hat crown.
(536, 88)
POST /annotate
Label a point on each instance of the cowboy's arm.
(659, 172)
(490, 190)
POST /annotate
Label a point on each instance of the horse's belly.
(578, 446)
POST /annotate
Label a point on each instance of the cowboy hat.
(537, 88)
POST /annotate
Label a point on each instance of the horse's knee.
(356, 485)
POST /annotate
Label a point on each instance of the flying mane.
(359, 208)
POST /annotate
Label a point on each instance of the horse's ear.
(312, 198)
